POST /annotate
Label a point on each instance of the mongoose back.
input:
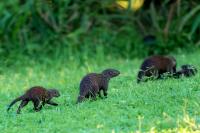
(38, 95)
(93, 83)
(155, 66)
(186, 70)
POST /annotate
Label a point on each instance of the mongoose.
(155, 66)
(186, 70)
(93, 83)
(38, 95)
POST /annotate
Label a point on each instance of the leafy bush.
(35, 27)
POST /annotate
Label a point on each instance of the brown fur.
(155, 66)
(93, 83)
(38, 95)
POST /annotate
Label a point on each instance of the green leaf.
(187, 17)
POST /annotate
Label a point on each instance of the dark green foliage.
(36, 27)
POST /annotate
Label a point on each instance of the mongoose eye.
(57, 94)
(111, 73)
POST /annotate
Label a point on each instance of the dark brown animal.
(186, 70)
(155, 66)
(38, 95)
(93, 83)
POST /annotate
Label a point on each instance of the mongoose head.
(188, 70)
(110, 73)
(188, 67)
(54, 92)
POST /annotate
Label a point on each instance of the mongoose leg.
(99, 93)
(105, 88)
(105, 93)
(36, 104)
(22, 104)
(93, 95)
(87, 96)
(94, 91)
(43, 103)
(52, 103)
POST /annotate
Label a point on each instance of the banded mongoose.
(186, 70)
(155, 66)
(39, 97)
(93, 83)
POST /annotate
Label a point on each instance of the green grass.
(164, 105)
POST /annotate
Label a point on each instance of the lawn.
(163, 105)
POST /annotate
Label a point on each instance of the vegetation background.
(56, 28)
(55, 43)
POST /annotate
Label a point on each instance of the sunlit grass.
(170, 105)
